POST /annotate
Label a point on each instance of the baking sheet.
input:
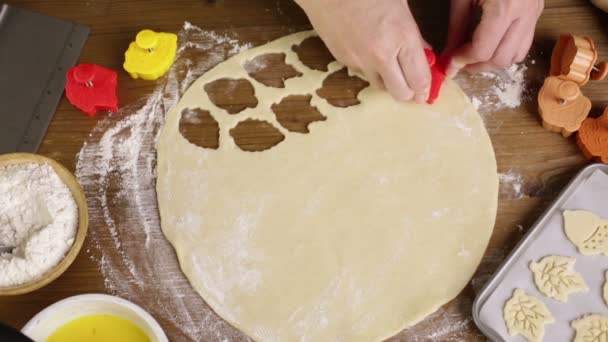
(591, 195)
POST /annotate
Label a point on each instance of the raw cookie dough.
(555, 277)
(526, 315)
(591, 328)
(587, 231)
(352, 232)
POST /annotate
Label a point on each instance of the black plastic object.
(8, 334)
(35, 54)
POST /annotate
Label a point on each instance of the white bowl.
(57, 315)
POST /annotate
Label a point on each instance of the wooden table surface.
(545, 160)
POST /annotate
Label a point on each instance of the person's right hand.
(379, 38)
(503, 37)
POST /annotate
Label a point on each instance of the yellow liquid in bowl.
(99, 328)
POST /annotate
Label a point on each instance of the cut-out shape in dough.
(313, 53)
(232, 95)
(271, 70)
(605, 288)
(591, 328)
(341, 90)
(256, 135)
(587, 231)
(526, 315)
(200, 128)
(295, 113)
(555, 277)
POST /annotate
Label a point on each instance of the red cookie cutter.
(438, 74)
(92, 88)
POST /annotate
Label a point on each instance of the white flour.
(503, 89)
(38, 216)
(511, 185)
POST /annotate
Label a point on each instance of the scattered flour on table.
(440, 334)
(511, 184)
(116, 167)
(501, 89)
(451, 323)
(476, 103)
(510, 91)
(234, 46)
(504, 88)
(38, 216)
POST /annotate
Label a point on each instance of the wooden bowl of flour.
(83, 219)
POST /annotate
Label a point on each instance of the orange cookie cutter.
(574, 59)
(592, 138)
(562, 106)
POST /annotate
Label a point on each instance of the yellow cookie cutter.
(151, 54)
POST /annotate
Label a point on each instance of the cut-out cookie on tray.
(591, 328)
(232, 95)
(295, 113)
(271, 70)
(341, 90)
(587, 231)
(313, 53)
(256, 135)
(555, 277)
(526, 315)
(200, 128)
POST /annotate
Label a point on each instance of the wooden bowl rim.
(83, 220)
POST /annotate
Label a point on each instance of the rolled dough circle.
(352, 232)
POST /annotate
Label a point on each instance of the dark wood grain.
(546, 160)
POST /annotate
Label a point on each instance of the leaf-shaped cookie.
(591, 328)
(527, 316)
(555, 278)
(587, 231)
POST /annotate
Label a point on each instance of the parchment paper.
(591, 195)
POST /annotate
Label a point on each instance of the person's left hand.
(503, 37)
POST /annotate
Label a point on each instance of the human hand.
(379, 38)
(503, 37)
